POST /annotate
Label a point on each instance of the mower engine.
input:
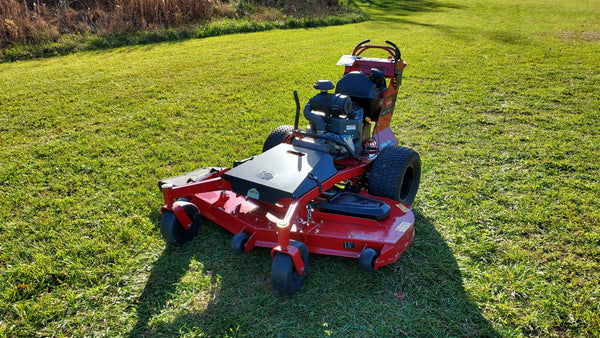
(336, 118)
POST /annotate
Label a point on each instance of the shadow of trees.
(401, 12)
(398, 7)
(422, 294)
(393, 10)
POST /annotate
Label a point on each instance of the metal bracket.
(182, 216)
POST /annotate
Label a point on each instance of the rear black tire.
(284, 276)
(171, 229)
(396, 174)
(277, 136)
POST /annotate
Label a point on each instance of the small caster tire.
(238, 243)
(366, 260)
(172, 230)
(284, 276)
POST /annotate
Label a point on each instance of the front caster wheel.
(284, 276)
(366, 260)
(238, 243)
(173, 232)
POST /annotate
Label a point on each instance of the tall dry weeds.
(22, 23)
(32, 22)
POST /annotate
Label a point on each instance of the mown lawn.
(501, 99)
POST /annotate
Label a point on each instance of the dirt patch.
(580, 36)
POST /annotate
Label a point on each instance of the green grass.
(500, 98)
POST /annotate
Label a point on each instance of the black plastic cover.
(356, 84)
(355, 205)
(285, 171)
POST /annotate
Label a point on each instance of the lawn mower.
(341, 186)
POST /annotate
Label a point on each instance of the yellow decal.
(253, 193)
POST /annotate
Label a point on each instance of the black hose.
(297, 120)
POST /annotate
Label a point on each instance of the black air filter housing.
(362, 91)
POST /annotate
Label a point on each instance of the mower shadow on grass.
(421, 294)
(166, 272)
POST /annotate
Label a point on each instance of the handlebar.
(398, 55)
(362, 43)
(392, 49)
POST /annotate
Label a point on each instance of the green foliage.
(500, 98)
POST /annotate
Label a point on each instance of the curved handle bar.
(362, 43)
(393, 50)
(398, 55)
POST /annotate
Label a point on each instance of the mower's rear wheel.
(366, 260)
(284, 276)
(277, 136)
(238, 243)
(396, 174)
(171, 229)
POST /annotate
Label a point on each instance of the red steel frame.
(273, 226)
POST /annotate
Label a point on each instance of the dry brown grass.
(579, 36)
(19, 23)
(33, 21)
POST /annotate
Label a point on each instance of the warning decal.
(403, 226)
(402, 207)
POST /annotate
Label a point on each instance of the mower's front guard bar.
(284, 227)
(359, 50)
